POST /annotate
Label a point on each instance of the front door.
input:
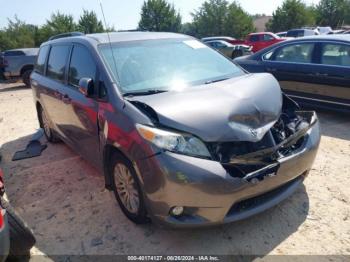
(80, 116)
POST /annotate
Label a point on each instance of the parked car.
(262, 40)
(176, 136)
(313, 70)
(295, 33)
(229, 50)
(16, 239)
(4, 227)
(18, 63)
(282, 34)
(228, 39)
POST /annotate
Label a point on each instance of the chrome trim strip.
(319, 100)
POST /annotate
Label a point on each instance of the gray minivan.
(182, 135)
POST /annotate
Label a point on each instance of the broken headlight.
(174, 142)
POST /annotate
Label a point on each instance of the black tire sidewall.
(26, 77)
(52, 137)
(141, 216)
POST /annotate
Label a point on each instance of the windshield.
(171, 64)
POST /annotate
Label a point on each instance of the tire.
(236, 53)
(21, 237)
(45, 124)
(139, 214)
(26, 77)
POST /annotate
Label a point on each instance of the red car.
(262, 40)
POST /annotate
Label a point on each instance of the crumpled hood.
(239, 109)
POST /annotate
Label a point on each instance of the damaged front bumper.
(213, 193)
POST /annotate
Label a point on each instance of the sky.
(122, 14)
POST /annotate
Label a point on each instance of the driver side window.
(81, 65)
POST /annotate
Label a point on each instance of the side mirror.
(86, 86)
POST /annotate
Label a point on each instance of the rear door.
(53, 84)
(80, 118)
(333, 74)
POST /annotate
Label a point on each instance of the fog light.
(177, 211)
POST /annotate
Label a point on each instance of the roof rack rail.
(66, 35)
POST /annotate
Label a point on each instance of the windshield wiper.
(216, 80)
(144, 93)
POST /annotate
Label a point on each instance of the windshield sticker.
(194, 44)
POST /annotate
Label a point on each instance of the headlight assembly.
(174, 142)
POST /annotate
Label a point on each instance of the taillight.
(2, 214)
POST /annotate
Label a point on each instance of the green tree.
(333, 13)
(88, 23)
(17, 34)
(159, 15)
(292, 14)
(218, 17)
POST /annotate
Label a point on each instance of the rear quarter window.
(40, 63)
(13, 53)
(56, 65)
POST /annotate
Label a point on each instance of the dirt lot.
(63, 199)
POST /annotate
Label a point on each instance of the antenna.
(109, 41)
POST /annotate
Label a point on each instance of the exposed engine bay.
(284, 138)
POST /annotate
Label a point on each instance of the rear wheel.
(26, 77)
(127, 189)
(21, 237)
(46, 125)
(236, 53)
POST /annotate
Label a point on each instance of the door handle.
(269, 69)
(321, 74)
(66, 98)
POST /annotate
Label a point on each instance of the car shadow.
(334, 124)
(13, 87)
(62, 198)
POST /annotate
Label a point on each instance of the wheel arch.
(25, 68)
(108, 151)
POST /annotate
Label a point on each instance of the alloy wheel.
(126, 188)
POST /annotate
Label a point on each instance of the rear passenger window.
(40, 62)
(57, 62)
(335, 54)
(81, 65)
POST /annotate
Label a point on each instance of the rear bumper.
(210, 194)
(4, 239)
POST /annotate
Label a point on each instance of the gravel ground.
(63, 200)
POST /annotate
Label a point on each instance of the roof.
(342, 37)
(217, 38)
(102, 38)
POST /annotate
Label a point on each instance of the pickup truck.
(18, 64)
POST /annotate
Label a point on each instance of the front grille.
(259, 200)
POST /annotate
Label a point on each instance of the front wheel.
(127, 189)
